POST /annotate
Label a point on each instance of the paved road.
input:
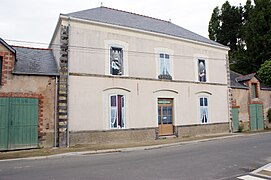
(219, 159)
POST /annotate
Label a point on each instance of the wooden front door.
(256, 117)
(165, 116)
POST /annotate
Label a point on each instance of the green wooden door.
(22, 123)
(4, 113)
(256, 117)
(235, 119)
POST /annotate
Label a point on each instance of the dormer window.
(254, 92)
(116, 61)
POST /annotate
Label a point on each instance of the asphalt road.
(218, 159)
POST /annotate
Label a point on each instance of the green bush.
(269, 115)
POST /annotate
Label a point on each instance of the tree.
(246, 30)
(257, 33)
(264, 72)
(214, 24)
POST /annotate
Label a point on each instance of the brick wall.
(7, 66)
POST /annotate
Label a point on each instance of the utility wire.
(89, 49)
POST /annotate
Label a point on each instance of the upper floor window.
(1, 63)
(116, 61)
(254, 92)
(202, 70)
(164, 64)
(117, 111)
(203, 109)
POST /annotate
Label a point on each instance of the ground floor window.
(204, 110)
(117, 111)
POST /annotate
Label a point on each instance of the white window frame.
(170, 52)
(164, 64)
(117, 44)
(123, 115)
(198, 57)
(204, 107)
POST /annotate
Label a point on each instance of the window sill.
(165, 76)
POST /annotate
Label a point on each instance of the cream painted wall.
(89, 102)
(89, 52)
(89, 90)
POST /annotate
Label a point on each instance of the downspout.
(55, 114)
(68, 106)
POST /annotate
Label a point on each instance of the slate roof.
(234, 81)
(136, 21)
(245, 77)
(35, 61)
(237, 81)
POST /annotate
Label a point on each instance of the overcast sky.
(35, 20)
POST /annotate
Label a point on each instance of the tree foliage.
(246, 30)
(264, 72)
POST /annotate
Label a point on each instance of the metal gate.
(18, 123)
(235, 119)
(256, 117)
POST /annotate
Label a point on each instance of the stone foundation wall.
(112, 136)
(201, 129)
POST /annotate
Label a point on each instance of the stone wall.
(201, 129)
(112, 136)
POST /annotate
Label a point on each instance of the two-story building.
(128, 77)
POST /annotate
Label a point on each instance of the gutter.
(68, 106)
(55, 114)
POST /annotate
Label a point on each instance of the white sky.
(35, 20)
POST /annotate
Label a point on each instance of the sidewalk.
(109, 148)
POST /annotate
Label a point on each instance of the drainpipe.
(68, 106)
(55, 114)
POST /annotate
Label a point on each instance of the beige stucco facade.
(91, 84)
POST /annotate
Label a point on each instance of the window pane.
(162, 55)
(113, 117)
(201, 101)
(113, 101)
(116, 61)
(205, 101)
(202, 70)
(161, 66)
(167, 64)
(169, 119)
(166, 56)
(203, 114)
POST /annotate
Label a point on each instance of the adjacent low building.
(27, 97)
(251, 101)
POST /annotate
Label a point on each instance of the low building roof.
(234, 81)
(35, 61)
(141, 22)
(237, 81)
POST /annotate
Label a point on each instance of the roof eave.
(142, 31)
(34, 74)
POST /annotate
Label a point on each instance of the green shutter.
(235, 119)
(4, 113)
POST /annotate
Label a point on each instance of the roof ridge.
(135, 14)
(27, 47)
